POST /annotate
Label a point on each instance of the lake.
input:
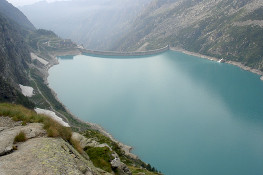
(182, 114)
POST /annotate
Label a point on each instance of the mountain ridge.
(223, 29)
(13, 13)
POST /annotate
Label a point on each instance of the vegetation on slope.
(20, 113)
(135, 164)
(9, 94)
(101, 157)
(11, 12)
(225, 29)
(20, 137)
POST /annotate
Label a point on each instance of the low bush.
(103, 139)
(100, 157)
(21, 137)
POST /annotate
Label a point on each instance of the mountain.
(11, 12)
(229, 29)
(14, 55)
(95, 24)
(42, 140)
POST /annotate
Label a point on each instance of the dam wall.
(143, 53)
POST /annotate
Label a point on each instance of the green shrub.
(100, 157)
(103, 139)
(21, 137)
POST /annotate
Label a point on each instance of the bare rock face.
(9, 129)
(44, 156)
(39, 154)
(115, 163)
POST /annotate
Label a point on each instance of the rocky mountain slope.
(229, 29)
(9, 11)
(14, 55)
(34, 143)
(95, 24)
(37, 153)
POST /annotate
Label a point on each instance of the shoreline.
(126, 148)
(238, 64)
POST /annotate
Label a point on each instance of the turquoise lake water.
(182, 114)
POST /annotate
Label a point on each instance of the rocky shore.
(127, 149)
(256, 71)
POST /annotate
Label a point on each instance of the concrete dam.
(112, 53)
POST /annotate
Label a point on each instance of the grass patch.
(53, 128)
(100, 157)
(96, 135)
(76, 145)
(21, 137)
(20, 113)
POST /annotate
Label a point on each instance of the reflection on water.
(67, 57)
(182, 114)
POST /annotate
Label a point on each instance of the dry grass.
(76, 145)
(53, 128)
(20, 113)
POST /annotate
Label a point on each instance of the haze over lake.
(182, 114)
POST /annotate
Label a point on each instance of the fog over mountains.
(95, 24)
(229, 29)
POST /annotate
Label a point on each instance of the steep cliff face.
(14, 52)
(14, 59)
(11, 12)
(231, 29)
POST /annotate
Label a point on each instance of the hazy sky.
(27, 2)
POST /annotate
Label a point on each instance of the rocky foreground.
(39, 154)
(36, 144)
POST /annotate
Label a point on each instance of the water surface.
(184, 115)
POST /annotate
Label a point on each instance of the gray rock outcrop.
(39, 154)
(115, 163)
(44, 156)
(9, 130)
